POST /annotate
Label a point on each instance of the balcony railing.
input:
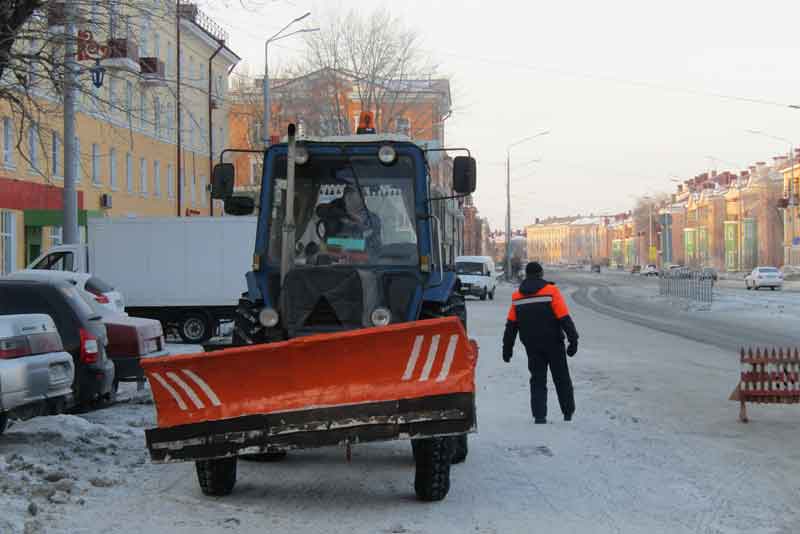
(123, 53)
(190, 11)
(152, 71)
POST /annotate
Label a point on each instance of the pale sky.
(624, 87)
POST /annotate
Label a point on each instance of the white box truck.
(187, 272)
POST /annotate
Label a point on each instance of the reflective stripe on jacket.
(540, 315)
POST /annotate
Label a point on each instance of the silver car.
(35, 372)
(764, 277)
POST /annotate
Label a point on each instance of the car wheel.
(3, 422)
(195, 328)
(484, 294)
(491, 294)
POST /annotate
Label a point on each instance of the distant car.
(129, 340)
(477, 276)
(35, 372)
(636, 269)
(649, 270)
(595, 268)
(100, 295)
(81, 329)
(760, 277)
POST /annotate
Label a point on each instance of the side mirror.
(464, 175)
(239, 205)
(222, 178)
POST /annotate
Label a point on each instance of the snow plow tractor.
(352, 329)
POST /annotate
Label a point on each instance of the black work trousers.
(554, 357)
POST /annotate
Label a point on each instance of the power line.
(622, 81)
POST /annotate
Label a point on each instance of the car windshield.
(464, 267)
(354, 211)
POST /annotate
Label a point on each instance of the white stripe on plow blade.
(188, 390)
(426, 370)
(171, 390)
(448, 358)
(413, 357)
(204, 386)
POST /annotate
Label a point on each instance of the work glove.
(507, 356)
(572, 348)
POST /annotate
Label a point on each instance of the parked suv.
(82, 331)
(35, 373)
(103, 298)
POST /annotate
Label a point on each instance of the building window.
(112, 94)
(403, 126)
(143, 176)
(157, 46)
(112, 168)
(170, 184)
(8, 142)
(157, 179)
(129, 100)
(96, 164)
(33, 153)
(156, 116)
(170, 59)
(142, 111)
(8, 245)
(255, 171)
(56, 236)
(203, 194)
(55, 155)
(129, 172)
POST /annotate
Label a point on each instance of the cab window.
(58, 261)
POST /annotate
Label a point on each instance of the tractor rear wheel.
(433, 457)
(216, 476)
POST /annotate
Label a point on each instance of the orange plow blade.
(405, 380)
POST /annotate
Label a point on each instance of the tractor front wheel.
(216, 476)
(460, 448)
(433, 457)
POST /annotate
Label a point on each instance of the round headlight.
(381, 317)
(387, 154)
(268, 317)
(300, 155)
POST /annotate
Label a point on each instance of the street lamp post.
(276, 37)
(508, 198)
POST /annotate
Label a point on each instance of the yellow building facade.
(127, 130)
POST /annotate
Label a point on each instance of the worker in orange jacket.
(540, 315)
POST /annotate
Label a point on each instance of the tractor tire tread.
(216, 476)
(432, 477)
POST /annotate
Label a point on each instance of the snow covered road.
(655, 447)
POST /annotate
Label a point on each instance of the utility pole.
(509, 274)
(70, 235)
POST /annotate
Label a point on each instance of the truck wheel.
(484, 294)
(3, 422)
(216, 476)
(491, 294)
(195, 327)
(460, 448)
(432, 477)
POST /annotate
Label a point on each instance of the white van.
(477, 276)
